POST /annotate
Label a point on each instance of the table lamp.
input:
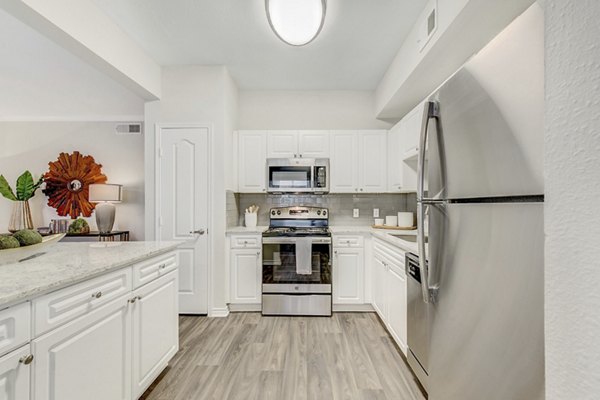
(105, 195)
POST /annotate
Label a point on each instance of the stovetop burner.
(298, 221)
(297, 231)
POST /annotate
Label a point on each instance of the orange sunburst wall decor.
(67, 184)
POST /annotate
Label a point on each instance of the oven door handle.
(293, 240)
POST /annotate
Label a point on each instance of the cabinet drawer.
(348, 241)
(391, 253)
(15, 327)
(246, 242)
(57, 308)
(147, 271)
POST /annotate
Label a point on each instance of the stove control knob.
(324, 212)
(319, 212)
(278, 212)
(273, 212)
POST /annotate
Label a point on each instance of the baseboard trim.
(219, 312)
(353, 308)
(245, 307)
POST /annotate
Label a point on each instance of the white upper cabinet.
(298, 144)
(372, 161)
(358, 162)
(344, 162)
(252, 161)
(412, 131)
(313, 144)
(394, 159)
(282, 144)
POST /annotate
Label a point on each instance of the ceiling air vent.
(428, 24)
(134, 128)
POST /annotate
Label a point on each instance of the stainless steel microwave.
(298, 175)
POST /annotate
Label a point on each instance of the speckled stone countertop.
(242, 229)
(65, 264)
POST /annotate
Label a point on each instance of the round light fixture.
(296, 22)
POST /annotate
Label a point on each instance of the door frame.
(158, 128)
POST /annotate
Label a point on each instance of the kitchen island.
(88, 320)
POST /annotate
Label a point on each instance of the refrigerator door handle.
(422, 255)
(431, 111)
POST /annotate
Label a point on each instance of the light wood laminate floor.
(248, 356)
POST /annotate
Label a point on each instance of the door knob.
(199, 232)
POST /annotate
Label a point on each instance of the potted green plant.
(25, 190)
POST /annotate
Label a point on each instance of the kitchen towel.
(304, 256)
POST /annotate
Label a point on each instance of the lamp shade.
(105, 192)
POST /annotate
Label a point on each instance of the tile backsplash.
(340, 206)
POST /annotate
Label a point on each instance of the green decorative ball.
(8, 242)
(28, 237)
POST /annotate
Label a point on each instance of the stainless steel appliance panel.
(280, 288)
(490, 126)
(487, 329)
(298, 175)
(310, 304)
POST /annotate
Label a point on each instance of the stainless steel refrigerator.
(475, 327)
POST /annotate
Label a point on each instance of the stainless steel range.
(296, 267)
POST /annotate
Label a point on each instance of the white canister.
(406, 219)
(379, 221)
(250, 220)
(391, 220)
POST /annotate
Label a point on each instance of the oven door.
(279, 266)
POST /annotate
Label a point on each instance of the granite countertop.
(65, 264)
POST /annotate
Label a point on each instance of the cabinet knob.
(162, 266)
(26, 360)
(97, 295)
(258, 253)
(136, 298)
(361, 189)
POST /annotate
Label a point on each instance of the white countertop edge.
(38, 291)
(242, 229)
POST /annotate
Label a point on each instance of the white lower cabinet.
(96, 340)
(348, 276)
(396, 313)
(15, 372)
(88, 358)
(389, 290)
(155, 330)
(246, 276)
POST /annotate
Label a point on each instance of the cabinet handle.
(300, 155)
(136, 298)
(97, 295)
(335, 252)
(162, 266)
(26, 360)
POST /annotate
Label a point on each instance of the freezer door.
(490, 125)
(487, 337)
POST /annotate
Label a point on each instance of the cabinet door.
(282, 144)
(396, 299)
(88, 358)
(372, 162)
(246, 280)
(155, 330)
(14, 375)
(348, 276)
(252, 164)
(344, 162)
(379, 287)
(412, 129)
(395, 154)
(313, 144)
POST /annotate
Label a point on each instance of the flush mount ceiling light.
(296, 22)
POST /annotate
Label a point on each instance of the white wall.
(31, 145)
(308, 110)
(572, 215)
(198, 94)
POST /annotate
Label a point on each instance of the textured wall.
(572, 215)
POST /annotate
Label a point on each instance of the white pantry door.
(184, 194)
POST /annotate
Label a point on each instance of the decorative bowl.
(11, 256)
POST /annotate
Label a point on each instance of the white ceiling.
(40, 80)
(357, 44)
